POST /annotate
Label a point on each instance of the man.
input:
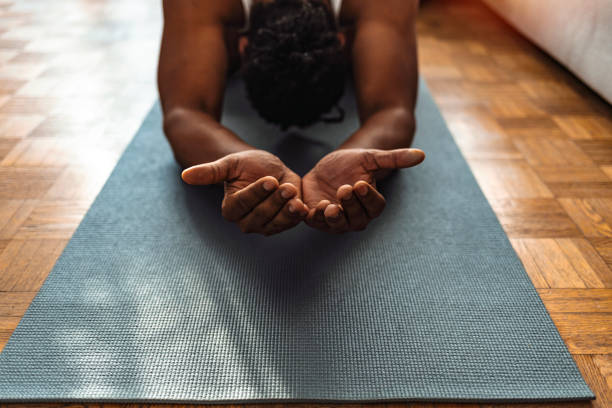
(293, 55)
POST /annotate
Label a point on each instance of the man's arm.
(384, 61)
(192, 73)
(340, 190)
(261, 193)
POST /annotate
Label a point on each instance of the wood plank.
(532, 123)
(3, 244)
(15, 78)
(566, 106)
(60, 125)
(530, 264)
(6, 145)
(39, 87)
(604, 364)
(22, 105)
(572, 181)
(80, 183)
(604, 248)
(596, 381)
(573, 174)
(586, 262)
(585, 127)
(550, 150)
(26, 182)
(26, 263)
(478, 135)
(508, 179)
(15, 304)
(600, 151)
(577, 300)
(7, 326)
(13, 126)
(559, 263)
(593, 216)
(13, 214)
(20, 71)
(547, 89)
(521, 107)
(13, 44)
(534, 218)
(52, 219)
(585, 333)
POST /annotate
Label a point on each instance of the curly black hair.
(294, 68)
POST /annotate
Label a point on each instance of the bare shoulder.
(226, 12)
(388, 10)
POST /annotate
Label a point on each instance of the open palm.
(340, 191)
(262, 195)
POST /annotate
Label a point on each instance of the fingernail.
(286, 193)
(362, 189)
(268, 185)
(291, 208)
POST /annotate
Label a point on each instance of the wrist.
(226, 147)
(197, 138)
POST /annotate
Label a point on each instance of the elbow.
(403, 123)
(174, 119)
(175, 124)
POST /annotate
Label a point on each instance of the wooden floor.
(77, 76)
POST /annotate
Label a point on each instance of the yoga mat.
(157, 299)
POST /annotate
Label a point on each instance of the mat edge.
(299, 401)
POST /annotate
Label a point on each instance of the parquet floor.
(77, 77)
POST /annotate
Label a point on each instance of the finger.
(237, 205)
(209, 173)
(267, 209)
(355, 213)
(398, 158)
(292, 213)
(335, 218)
(370, 198)
(316, 216)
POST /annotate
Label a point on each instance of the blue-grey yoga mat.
(158, 299)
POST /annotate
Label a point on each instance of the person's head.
(293, 63)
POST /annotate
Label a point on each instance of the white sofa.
(578, 33)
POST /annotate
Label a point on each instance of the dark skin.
(263, 195)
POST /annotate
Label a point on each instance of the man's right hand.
(262, 195)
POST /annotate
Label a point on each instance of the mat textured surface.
(157, 299)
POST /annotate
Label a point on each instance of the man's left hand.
(340, 190)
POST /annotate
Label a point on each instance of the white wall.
(578, 33)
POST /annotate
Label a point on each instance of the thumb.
(208, 173)
(398, 158)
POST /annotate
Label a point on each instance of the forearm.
(196, 137)
(384, 61)
(387, 129)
